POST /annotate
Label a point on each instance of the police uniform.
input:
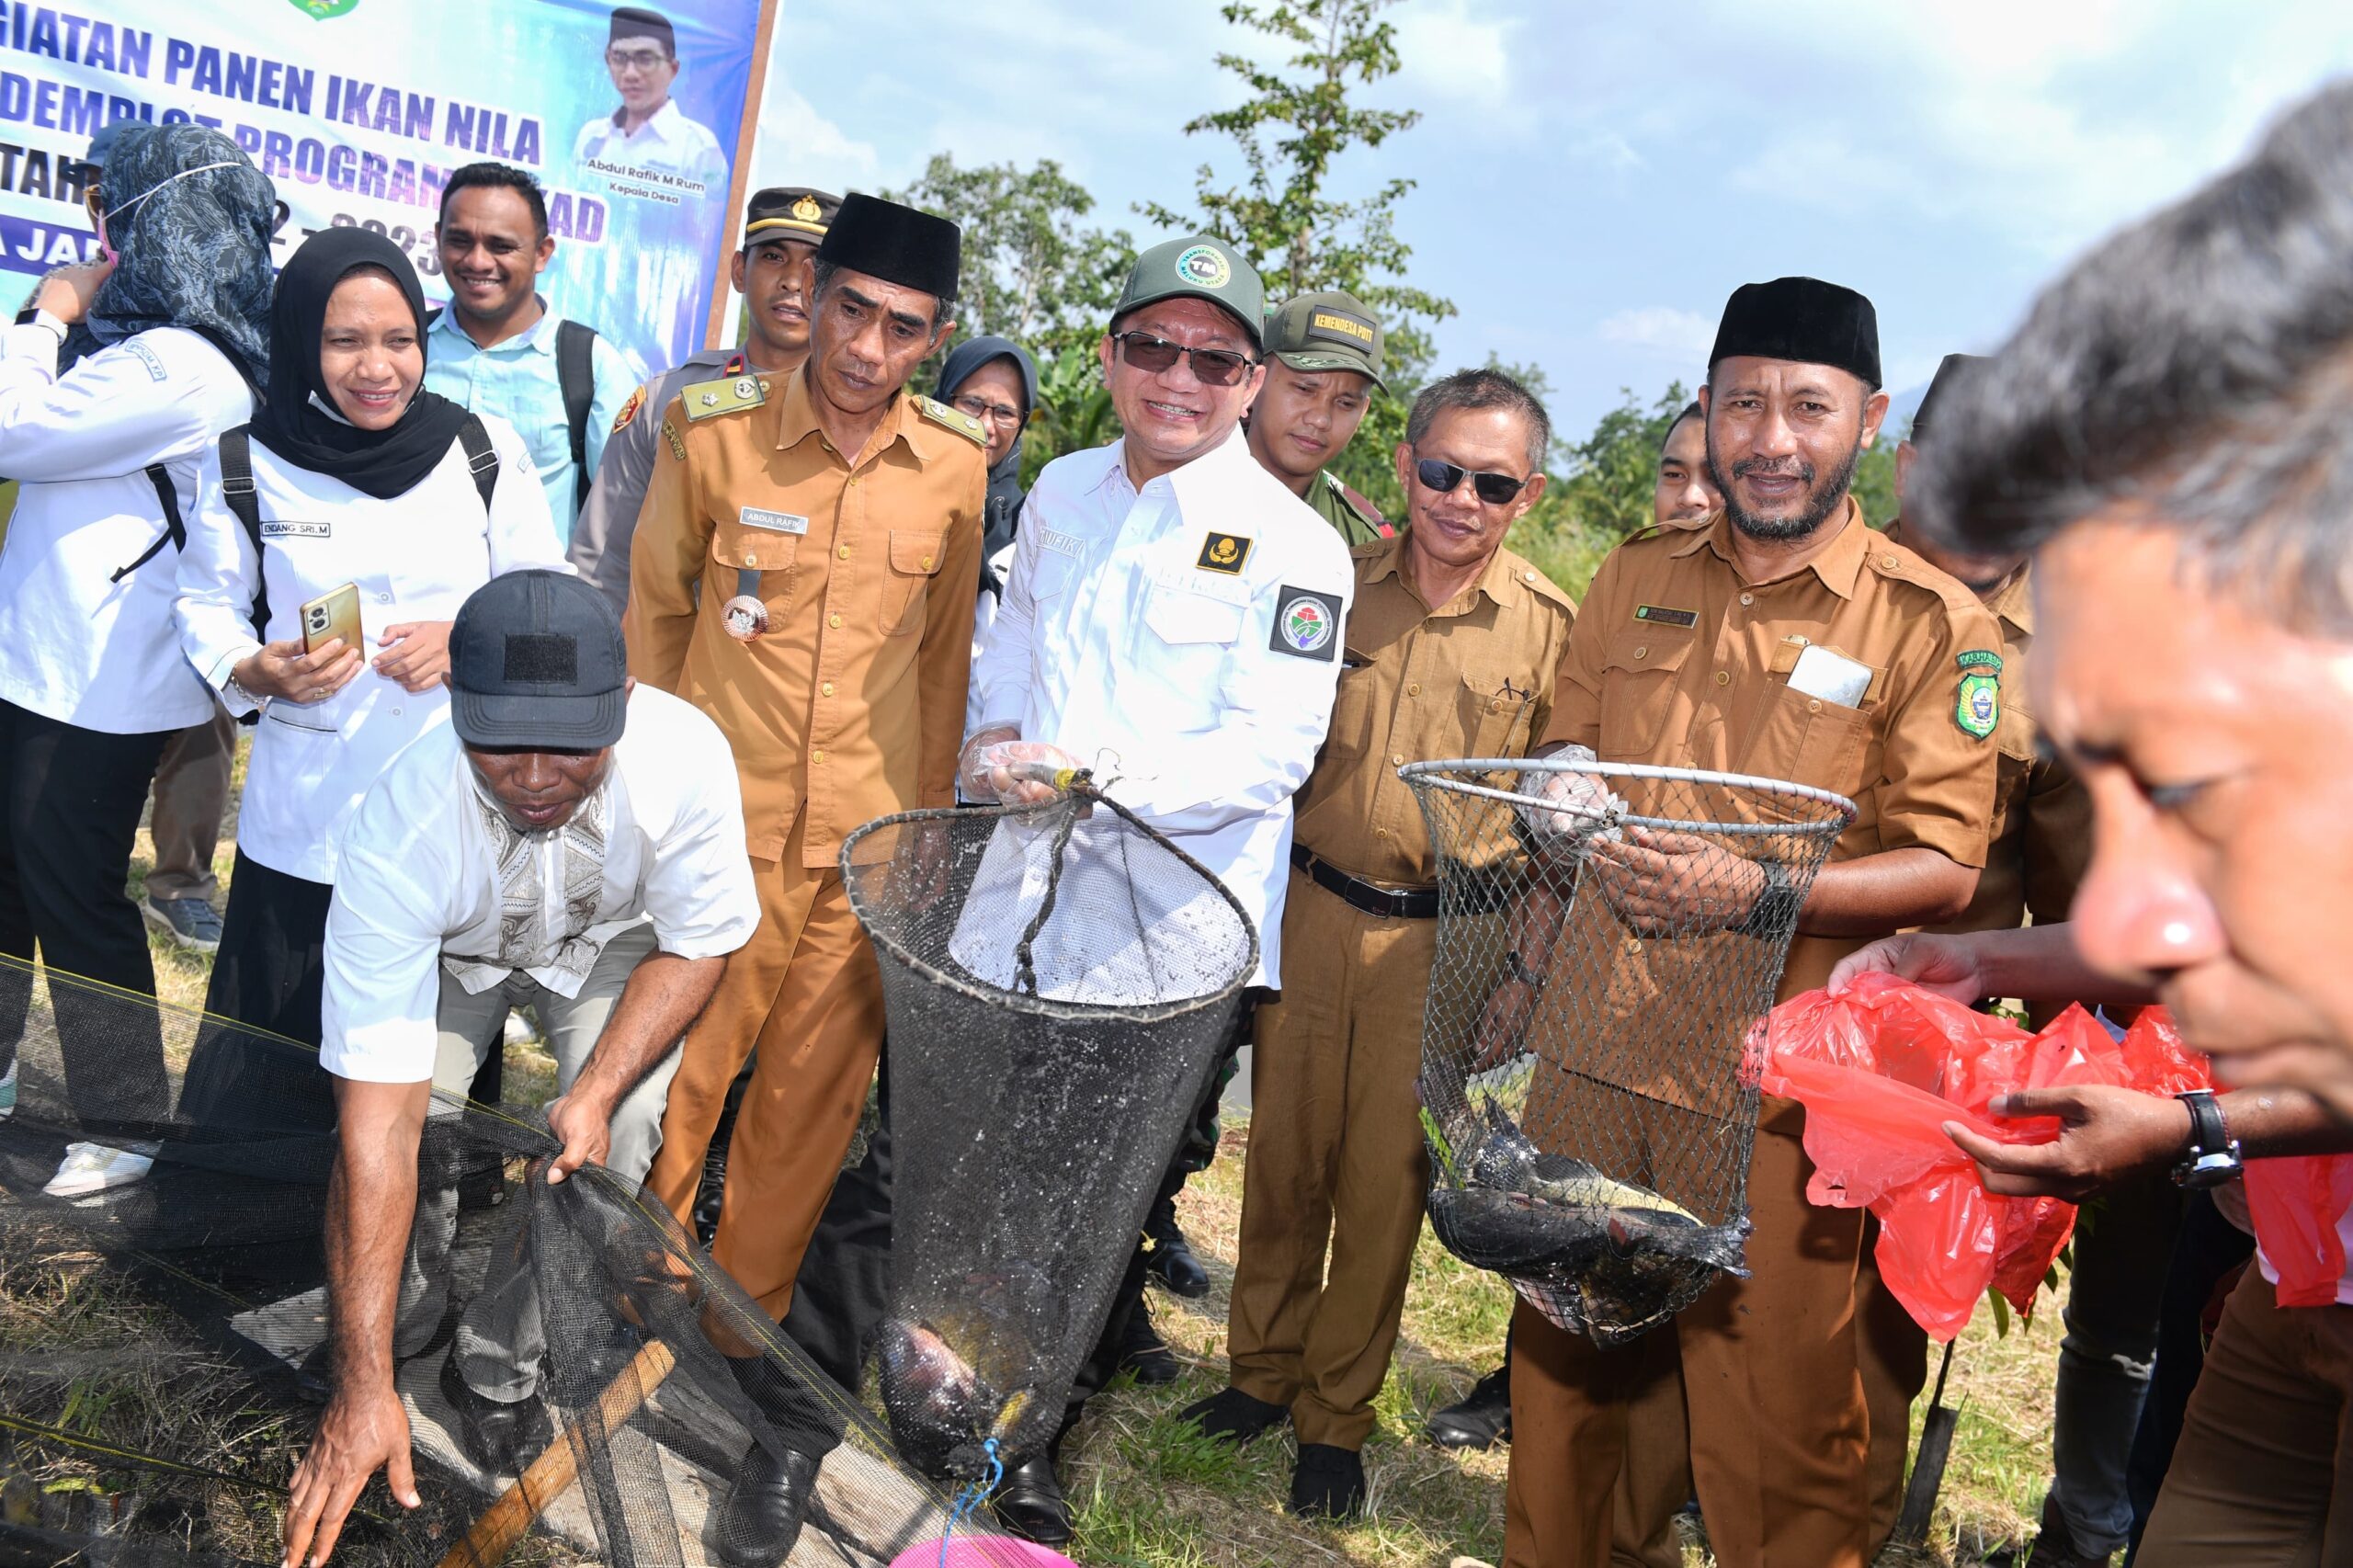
(1338, 1153)
(849, 705)
(600, 540)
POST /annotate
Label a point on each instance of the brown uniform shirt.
(2042, 814)
(1676, 660)
(851, 705)
(1471, 679)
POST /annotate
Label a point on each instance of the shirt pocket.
(1355, 708)
(916, 555)
(1495, 714)
(1183, 617)
(1640, 677)
(1809, 740)
(735, 549)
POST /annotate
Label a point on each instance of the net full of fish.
(1599, 1256)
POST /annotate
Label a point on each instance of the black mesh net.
(162, 1340)
(1606, 934)
(1058, 981)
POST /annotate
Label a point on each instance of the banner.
(360, 109)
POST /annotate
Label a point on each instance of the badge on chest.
(1224, 553)
(773, 522)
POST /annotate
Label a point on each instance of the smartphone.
(335, 613)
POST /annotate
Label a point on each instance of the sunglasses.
(1215, 367)
(1495, 488)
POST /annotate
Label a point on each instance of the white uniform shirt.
(1184, 642)
(418, 878)
(667, 143)
(415, 558)
(73, 646)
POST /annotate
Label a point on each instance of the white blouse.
(414, 557)
(75, 646)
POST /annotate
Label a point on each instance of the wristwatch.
(2213, 1155)
(1521, 972)
(1775, 908)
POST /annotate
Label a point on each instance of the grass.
(1149, 1491)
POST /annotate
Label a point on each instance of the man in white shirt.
(530, 852)
(1172, 621)
(649, 133)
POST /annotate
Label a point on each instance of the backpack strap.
(575, 377)
(237, 493)
(481, 458)
(175, 531)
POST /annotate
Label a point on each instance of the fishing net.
(1608, 933)
(161, 1361)
(1058, 981)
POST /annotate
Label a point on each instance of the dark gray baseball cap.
(1198, 266)
(1327, 331)
(536, 664)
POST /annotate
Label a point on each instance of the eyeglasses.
(987, 412)
(1495, 488)
(1215, 367)
(636, 59)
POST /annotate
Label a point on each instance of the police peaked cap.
(1954, 367)
(898, 244)
(790, 211)
(1800, 319)
(633, 22)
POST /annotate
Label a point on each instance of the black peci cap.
(898, 244)
(635, 21)
(1800, 319)
(536, 664)
(1953, 368)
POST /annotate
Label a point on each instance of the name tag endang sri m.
(774, 522)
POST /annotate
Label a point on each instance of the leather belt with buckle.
(1388, 903)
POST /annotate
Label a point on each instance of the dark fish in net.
(964, 1372)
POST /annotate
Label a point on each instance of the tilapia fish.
(954, 1377)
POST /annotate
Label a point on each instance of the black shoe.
(1144, 1353)
(501, 1435)
(1231, 1416)
(2054, 1544)
(761, 1519)
(1328, 1484)
(1480, 1419)
(1169, 1257)
(1030, 1503)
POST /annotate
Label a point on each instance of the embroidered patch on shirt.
(1661, 616)
(677, 446)
(1224, 552)
(297, 530)
(629, 411)
(147, 356)
(1060, 543)
(1307, 624)
(774, 522)
(1977, 706)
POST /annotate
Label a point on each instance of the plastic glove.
(997, 765)
(1573, 803)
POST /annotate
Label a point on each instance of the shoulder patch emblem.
(955, 419)
(1659, 616)
(1224, 552)
(1977, 708)
(705, 400)
(147, 357)
(677, 442)
(629, 411)
(1307, 624)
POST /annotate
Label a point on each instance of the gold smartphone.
(335, 613)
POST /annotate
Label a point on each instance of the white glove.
(1573, 803)
(998, 765)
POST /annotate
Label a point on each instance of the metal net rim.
(1013, 1000)
(1436, 775)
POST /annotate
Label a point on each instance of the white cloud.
(1449, 48)
(796, 145)
(1685, 335)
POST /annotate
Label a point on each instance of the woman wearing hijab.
(358, 477)
(114, 383)
(994, 380)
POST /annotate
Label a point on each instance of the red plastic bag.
(1881, 1070)
(2297, 1202)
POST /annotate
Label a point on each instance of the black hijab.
(383, 463)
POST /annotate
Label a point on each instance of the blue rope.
(971, 1496)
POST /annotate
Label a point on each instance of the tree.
(1606, 479)
(1032, 272)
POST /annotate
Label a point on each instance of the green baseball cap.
(1198, 266)
(1330, 331)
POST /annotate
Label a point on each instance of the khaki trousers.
(1778, 1423)
(1892, 1352)
(806, 994)
(1335, 1159)
(2266, 1450)
(191, 796)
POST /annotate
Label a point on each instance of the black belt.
(1389, 904)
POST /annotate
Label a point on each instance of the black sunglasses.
(1215, 367)
(1495, 488)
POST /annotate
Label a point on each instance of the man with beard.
(783, 226)
(1687, 652)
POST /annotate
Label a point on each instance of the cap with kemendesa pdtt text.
(1327, 331)
(1198, 266)
(536, 664)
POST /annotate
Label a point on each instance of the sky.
(1592, 180)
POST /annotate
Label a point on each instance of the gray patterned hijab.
(191, 218)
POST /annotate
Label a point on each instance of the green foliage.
(1031, 271)
(1875, 483)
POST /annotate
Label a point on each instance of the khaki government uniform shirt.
(2042, 814)
(851, 706)
(1676, 660)
(1471, 679)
